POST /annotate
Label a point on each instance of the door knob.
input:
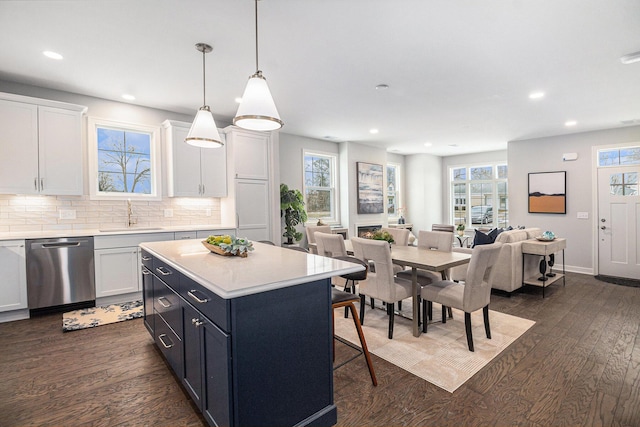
(603, 227)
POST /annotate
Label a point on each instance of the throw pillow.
(482, 239)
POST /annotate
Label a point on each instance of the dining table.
(418, 258)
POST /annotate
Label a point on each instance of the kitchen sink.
(132, 229)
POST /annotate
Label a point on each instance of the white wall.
(424, 194)
(545, 155)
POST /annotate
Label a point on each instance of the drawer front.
(165, 272)
(169, 344)
(181, 235)
(205, 301)
(167, 304)
(146, 259)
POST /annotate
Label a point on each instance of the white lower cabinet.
(13, 286)
(117, 271)
(117, 262)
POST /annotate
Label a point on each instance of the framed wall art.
(548, 192)
(370, 194)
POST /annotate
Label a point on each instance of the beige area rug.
(440, 356)
(98, 316)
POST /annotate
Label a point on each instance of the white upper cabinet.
(193, 171)
(251, 153)
(41, 146)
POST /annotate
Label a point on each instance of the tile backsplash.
(41, 213)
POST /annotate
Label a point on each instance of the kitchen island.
(249, 338)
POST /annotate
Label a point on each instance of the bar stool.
(345, 299)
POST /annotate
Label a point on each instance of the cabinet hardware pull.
(35, 183)
(41, 184)
(196, 322)
(161, 338)
(191, 294)
(203, 189)
(162, 271)
(146, 258)
(145, 272)
(163, 304)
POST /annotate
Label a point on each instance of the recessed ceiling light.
(428, 144)
(453, 145)
(382, 86)
(129, 97)
(52, 55)
(373, 131)
(570, 123)
(630, 58)
(536, 95)
(238, 100)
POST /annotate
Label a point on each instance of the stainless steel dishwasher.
(60, 272)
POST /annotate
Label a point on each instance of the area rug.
(98, 316)
(440, 356)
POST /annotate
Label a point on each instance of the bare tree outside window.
(124, 161)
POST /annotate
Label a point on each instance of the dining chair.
(345, 299)
(443, 227)
(381, 283)
(311, 240)
(332, 246)
(400, 238)
(474, 295)
(433, 241)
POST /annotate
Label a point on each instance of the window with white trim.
(320, 187)
(479, 195)
(394, 202)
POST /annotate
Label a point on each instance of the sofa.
(508, 269)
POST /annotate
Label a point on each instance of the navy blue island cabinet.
(260, 358)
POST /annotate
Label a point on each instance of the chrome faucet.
(130, 220)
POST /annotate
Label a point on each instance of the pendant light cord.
(204, 80)
(257, 67)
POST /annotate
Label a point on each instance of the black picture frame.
(548, 192)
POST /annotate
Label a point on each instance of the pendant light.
(257, 111)
(203, 132)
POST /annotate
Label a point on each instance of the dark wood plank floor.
(579, 365)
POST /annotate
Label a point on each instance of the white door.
(619, 221)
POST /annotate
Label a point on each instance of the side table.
(544, 249)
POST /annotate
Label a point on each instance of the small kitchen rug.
(98, 316)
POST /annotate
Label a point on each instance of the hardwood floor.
(579, 365)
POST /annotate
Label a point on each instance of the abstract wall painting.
(370, 191)
(548, 192)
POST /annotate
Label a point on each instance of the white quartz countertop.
(265, 268)
(19, 235)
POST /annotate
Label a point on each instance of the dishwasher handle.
(60, 245)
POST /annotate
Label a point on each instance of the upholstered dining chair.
(311, 240)
(400, 238)
(443, 227)
(474, 295)
(380, 284)
(332, 246)
(434, 241)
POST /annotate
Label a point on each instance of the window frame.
(334, 187)
(398, 191)
(155, 177)
(468, 182)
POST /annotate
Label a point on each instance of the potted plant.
(460, 229)
(379, 235)
(292, 208)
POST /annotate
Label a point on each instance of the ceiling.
(459, 71)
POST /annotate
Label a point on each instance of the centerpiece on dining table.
(228, 245)
(379, 235)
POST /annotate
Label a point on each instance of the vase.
(460, 233)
